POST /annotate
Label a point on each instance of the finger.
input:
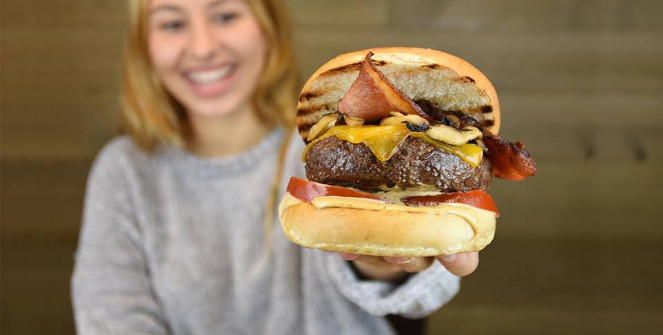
(378, 268)
(411, 264)
(348, 256)
(460, 264)
(372, 260)
(376, 261)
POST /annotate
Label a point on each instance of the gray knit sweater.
(173, 243)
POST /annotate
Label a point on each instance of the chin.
(220, 107)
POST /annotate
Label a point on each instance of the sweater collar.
(229, 165)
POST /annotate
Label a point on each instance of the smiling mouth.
(210, 76)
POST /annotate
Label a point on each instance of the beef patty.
(416, 165)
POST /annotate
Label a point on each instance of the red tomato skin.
(475, 198)
(306, 190)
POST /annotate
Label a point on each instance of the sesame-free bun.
(445, 80)
(367, 227)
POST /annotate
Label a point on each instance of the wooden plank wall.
(580, 82)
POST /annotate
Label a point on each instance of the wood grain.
(580, 82)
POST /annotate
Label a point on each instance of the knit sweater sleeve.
(422, 294)
(111, 288)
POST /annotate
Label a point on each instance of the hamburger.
(401, 148)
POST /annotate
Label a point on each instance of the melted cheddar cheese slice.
(383, 141)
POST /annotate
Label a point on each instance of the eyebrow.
(217, 2)
(167, 8)
(173, 8)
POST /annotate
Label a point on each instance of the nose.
(202, 44)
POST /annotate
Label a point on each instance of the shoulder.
(118, 149)
(122, 150)
(117, 157)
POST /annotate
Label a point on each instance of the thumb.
(461, 264)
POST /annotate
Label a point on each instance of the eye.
(224, 18)
(172, 26)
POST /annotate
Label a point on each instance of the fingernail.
(399, 260)
(449, 258)
(349, 257)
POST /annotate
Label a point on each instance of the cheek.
(252, 45)
(164, 52)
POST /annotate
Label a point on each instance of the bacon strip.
(510, 160)
(371, 96)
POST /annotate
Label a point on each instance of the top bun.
(445, 80)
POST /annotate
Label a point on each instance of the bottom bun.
(370, 227)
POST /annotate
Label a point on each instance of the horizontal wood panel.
(575, 286)
(574, 274)
(88, 14)
(50, 214)
(525, 321)
(35, 287)
(478, 15)
(575, 110)
(591, 143)
(606, 199)
(652, 143)
(619, 63)
(64, 130)
(335, 13)
(60, 91)
(524, 15)
(37, 51)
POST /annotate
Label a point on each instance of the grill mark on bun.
(342, 69)
(486, 109)
(488, 123)
(466, 79)
(306, 111)
(432, 66)
(301, 111)
(309, 96)
(350, 67)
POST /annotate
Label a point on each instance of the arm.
(111, 288)
(415, 297)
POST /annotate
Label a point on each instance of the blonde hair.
(152, 115)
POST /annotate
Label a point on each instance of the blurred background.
(578, 248)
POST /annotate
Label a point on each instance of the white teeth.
(208, 77)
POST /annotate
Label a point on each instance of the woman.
(178, 234)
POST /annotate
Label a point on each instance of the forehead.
(189, 3)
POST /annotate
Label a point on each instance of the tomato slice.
(306, 191)
(476, 198)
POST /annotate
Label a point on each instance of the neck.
(226, 135)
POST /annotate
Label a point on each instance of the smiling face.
(208, 54)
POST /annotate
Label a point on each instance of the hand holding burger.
(401, 149)
(394, 268)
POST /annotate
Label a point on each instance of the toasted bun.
(368, 227)
(422, 74)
